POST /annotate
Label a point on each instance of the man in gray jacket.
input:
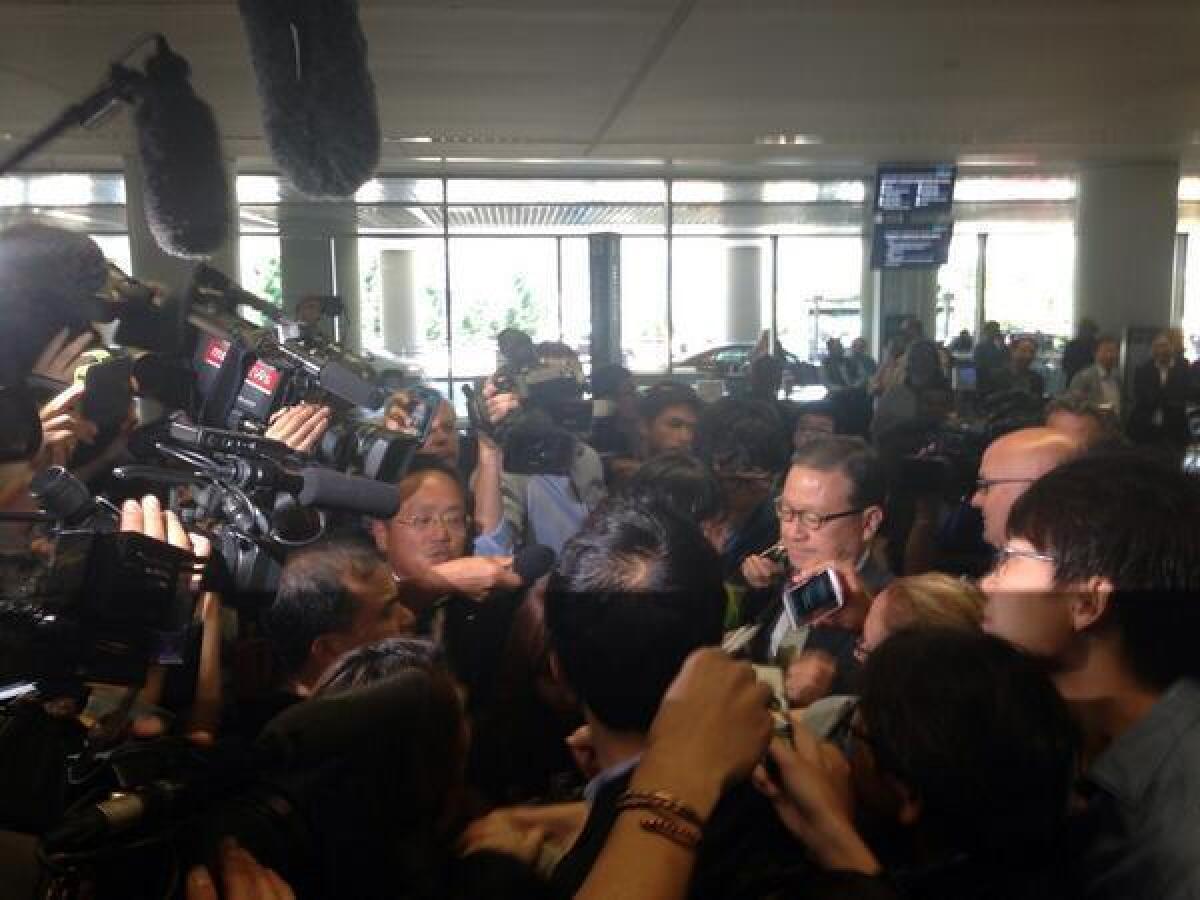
(1100, 384)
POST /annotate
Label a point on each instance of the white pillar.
(743, 298)
(399, 306)
(1124, 257)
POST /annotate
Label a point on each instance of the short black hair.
(980, 735)
(370, 663)
(425, 463)
(1131, 519)
(679, 483)
(661, 397)
(633, 595)
(315, 595)
(854, 458)
(607, 380)
(1108, 339)
(740, 435)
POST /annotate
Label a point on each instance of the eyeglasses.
(452, 521)
(1004, 554)
(810, 520)
(983, 485)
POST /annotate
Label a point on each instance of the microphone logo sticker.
(214, 353)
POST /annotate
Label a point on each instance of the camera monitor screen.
(901, 189)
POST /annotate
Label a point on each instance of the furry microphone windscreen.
(186, 191)
(318, 100)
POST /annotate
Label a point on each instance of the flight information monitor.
(910, 246)
(902, 189)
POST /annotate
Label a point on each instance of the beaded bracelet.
(686, 836)
(660, 800)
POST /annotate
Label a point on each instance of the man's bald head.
(1012, 463)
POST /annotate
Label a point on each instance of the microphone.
(320, 113)
(533, 562)
(69, 501)
(328, 489)
(186, 193)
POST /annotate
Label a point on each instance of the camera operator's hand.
(813, 800)
(499, 405)
(761, 571)
(501, 832)
(709, 732)
(60, 357)
(300, 426)
(148, 517)
(63, 428)
(478, 576)
(242, 878)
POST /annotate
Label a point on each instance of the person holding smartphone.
(830, 510)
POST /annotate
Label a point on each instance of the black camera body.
(540, 437)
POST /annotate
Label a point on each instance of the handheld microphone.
(533, 562)
(186, 192)
(320, 113)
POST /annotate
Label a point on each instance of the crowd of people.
(999, 697)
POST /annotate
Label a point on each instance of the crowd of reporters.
(594, 678)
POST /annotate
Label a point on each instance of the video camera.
(104, 604)
(538, 438)
(257, 500)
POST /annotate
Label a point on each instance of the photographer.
(543, 508)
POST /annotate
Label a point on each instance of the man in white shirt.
(1100, 383)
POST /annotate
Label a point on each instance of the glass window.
(1191, 297)
(116, 250)
(1030, 279)
(498, 283)
(402, 291)
(261, 271)
(644, 304)
(721, 294)
(958, 288)
(820, 279)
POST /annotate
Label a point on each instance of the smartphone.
(814, 599)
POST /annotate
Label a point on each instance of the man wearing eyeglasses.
(1099, 580)
(830, 511)
(1010, 465)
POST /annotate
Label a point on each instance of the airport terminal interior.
(614, 449)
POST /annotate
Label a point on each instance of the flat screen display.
(910, 246)
(902, 189)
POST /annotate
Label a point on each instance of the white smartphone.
(814, 599)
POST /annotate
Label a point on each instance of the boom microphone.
(186, 193)
(319, 110)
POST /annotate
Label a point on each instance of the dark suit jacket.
(744, 845)
(1150, 396)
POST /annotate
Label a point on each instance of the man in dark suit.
(633, 595)
(1160, 395)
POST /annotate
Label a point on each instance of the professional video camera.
(246, 372)
(104, 605)
(538, 438)
(304, 797)
(256, 499)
